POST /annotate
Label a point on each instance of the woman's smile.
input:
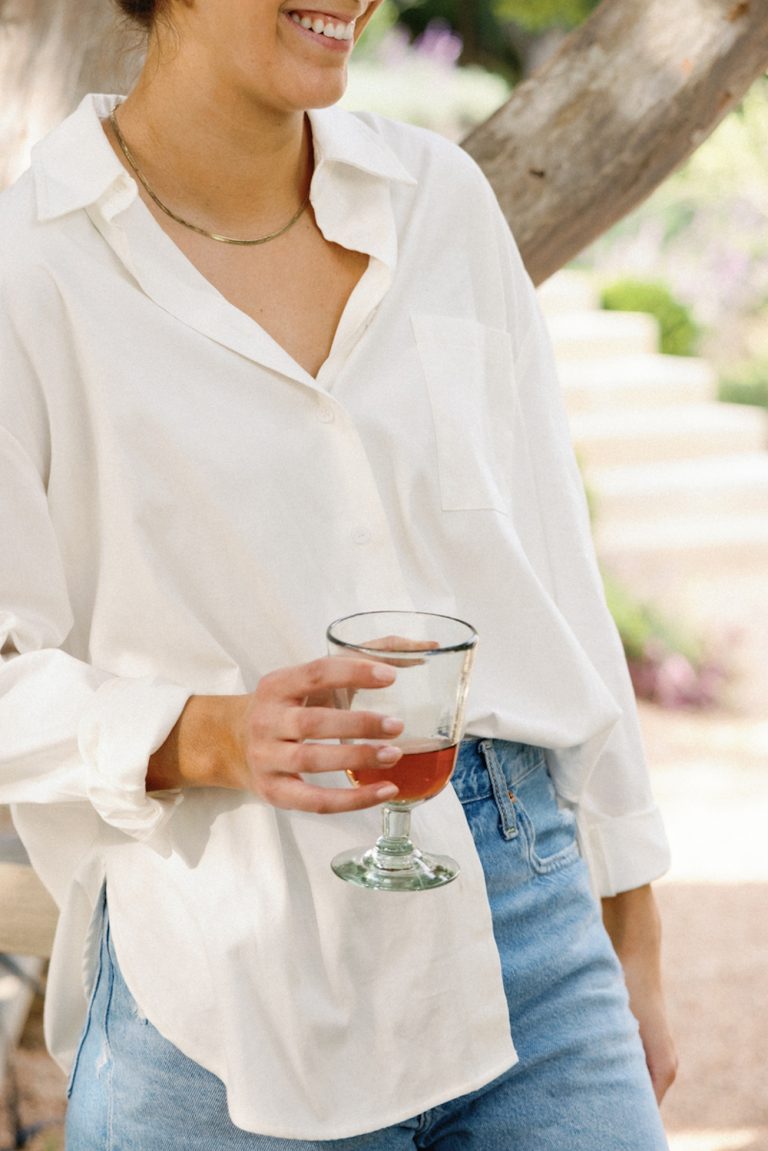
(331, 30)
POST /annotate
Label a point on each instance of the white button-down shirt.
(185, 508)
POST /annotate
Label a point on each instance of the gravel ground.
(711, 779)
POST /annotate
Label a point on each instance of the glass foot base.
(360, 866)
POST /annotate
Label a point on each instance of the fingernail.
(392, 725)
(388, 755)
(387, 792)
(383, 672)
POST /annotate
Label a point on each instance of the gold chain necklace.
(194, 227)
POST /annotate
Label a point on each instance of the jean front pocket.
(549, 828)
(528, 806)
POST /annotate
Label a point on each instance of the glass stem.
(394, 850)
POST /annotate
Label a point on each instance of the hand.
(256, 742)
(632, 921)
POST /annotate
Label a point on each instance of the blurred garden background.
(660, 328)
(694, 257)
(668, 403)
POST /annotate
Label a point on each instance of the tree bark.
(624, 102)
(51, 53)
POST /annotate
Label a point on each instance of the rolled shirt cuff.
(624, 852)
(126, 722)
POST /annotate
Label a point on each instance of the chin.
(325, 94)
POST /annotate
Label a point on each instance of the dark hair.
(143, 12)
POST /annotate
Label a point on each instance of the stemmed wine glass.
(433, 655)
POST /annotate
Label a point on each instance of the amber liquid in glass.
(425, 768)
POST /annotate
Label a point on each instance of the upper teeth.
(323, 26)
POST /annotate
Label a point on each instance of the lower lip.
(321, 41)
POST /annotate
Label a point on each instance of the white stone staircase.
(679, 480)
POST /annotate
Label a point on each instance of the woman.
(265, 364)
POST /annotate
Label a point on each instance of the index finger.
(295, 684)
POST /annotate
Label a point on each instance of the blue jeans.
(581, 1083)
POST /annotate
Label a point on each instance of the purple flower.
(439, 43)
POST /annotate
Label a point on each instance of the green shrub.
(747, 384)
(704, 232)
(539, 15)
(668, 665)
(679, 334)
(642, 625)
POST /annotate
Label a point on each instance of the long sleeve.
(70, 732)
(620, 827)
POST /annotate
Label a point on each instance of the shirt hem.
(381, 1122)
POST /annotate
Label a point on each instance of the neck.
(221, 160)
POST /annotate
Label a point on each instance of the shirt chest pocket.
(469, 375)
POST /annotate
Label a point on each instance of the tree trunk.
(51, 53)
(628, 97)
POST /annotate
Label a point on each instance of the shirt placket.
(364, 532)
(357, 317)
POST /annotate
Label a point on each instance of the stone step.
(681, 431)
(595, 335)
(636, 381)
(712, 487)
(568, 291)
(654, 556)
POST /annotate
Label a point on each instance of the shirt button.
(361, 536)
(325, 412)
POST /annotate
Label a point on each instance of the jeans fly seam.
(509, 827)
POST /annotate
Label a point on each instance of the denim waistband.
(483, 765)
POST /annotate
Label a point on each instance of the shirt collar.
(352, 185)
(341, 137)
(75, 167)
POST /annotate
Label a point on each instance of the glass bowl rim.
(465, 645)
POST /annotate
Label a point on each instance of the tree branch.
(627, 98)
